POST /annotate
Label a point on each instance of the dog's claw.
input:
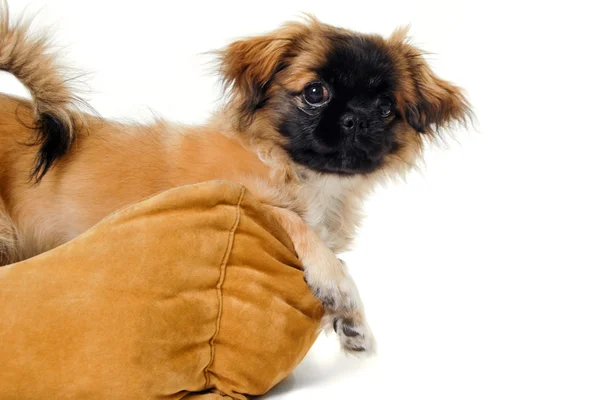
(348, 331)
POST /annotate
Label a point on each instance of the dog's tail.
(54, 106)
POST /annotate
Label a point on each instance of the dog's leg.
(330, 282)
(8, 239)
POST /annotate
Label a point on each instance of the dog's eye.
(316, 94)
(385, 106)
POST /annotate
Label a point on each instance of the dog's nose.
(351, 122)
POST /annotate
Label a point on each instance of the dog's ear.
(438, 104)
(430, 103)
(248, 66)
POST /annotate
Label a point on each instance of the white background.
(481, 272)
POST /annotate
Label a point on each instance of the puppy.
(316, 116)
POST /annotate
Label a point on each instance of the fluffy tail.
(29, 60)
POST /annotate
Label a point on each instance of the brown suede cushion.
(195, 292)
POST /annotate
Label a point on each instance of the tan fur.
(113, 165)
(8, 239)
(31, 61)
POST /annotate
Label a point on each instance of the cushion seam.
(219, 288)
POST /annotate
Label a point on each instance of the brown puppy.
(316, 116)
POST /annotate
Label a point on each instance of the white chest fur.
(333, 209)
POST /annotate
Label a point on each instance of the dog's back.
(110, 166)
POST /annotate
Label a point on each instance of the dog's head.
(341, 102)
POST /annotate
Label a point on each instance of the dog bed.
(194, 293)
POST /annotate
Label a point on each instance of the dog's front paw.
(337, 292)
(354, 334)
(343, 308)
